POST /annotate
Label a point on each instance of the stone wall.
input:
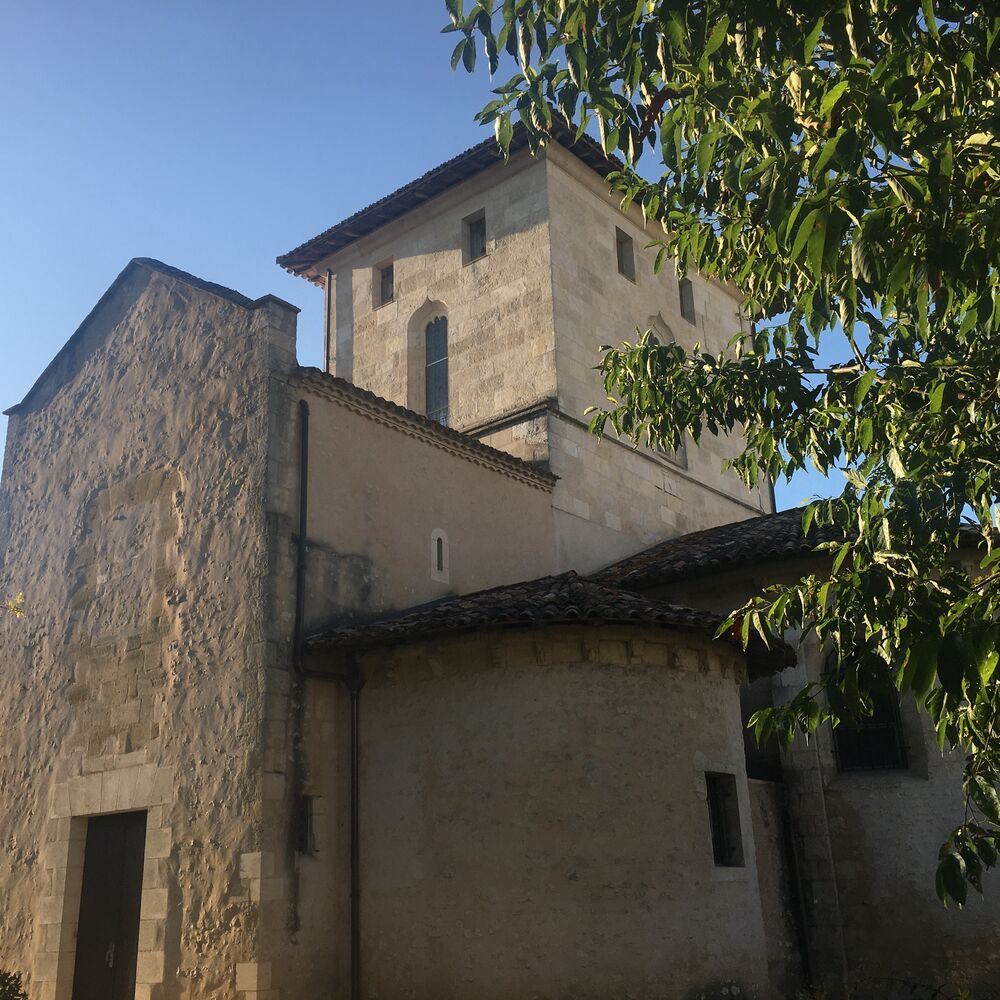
(779, 894)
(534, 818)
(499, 308)
(526, 324)
(133, 521)
(867, 841)
(597, 306)
(383, 489)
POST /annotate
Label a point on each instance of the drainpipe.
(354, 686)
(354, 683)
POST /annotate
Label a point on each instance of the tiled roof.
(461, 168)
(726, 547)
(418, 425)
(551, 600)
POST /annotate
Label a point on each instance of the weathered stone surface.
(133, 521)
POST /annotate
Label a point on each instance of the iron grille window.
(626, 254)
(874, 743)
(384, 284)
(724, 817)
(475, 236)
(686, 291)
(436, 370)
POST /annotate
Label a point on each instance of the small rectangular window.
(384, 284)
(724, 817)
(474, 227)
(874, 743)
(686, 290)
(626, 254)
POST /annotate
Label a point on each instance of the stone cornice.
(416, 425)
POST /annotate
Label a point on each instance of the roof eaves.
(436, 181)
(547, 602)
(417, 425)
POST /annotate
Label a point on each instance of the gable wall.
(133, 521)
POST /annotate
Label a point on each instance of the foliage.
(10, 987)
(838, 162)
(16, 606)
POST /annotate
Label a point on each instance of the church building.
(388, 680)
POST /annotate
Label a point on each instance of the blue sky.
(211, 135)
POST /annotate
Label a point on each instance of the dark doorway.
(107, 940)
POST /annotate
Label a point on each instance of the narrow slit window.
(439, 556)
(686, 290)
(436, 369)
(626, 254)
(724, 817)
(475, 236)
(305, 833)
(385, 288)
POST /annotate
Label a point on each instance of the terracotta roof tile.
(726, 547)
(550, 600)
(449, 174)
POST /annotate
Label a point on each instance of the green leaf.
(984, 797)
(928, 8)
(951, 879)
(830, 98)
(864, 385)
(803, 234)
(937, 397)
(881, 122)
(951, 665)
(866, 432)
(826, 155)
(469, 56)
(504, 132)
(706, 151)
(817, 245)
(716, 38)
(456, 56)
(809, 45)
(921, 667)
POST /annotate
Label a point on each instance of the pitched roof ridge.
(438, 180)
(157, 266)
(725, 546)
(429, 429)
(522, 590)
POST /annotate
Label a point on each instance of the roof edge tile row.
(449, 174)
(417, 425)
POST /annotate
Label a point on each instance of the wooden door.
(107, 940)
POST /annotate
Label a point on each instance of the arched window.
(436, 369)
